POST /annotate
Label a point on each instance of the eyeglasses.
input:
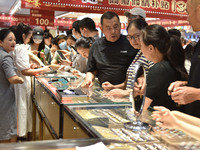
(134, 37)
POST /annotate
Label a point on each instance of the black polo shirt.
(111, 59)
(194, 81)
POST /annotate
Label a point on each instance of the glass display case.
(66, 88)
(48, 104)
(107, 122)
(98, 116)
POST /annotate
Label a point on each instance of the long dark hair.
(169, 45)
(189, 50)
(20, 30)
(4, 33)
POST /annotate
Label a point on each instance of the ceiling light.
(15, 7)
(65, 14)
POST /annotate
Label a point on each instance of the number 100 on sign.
(42, 22)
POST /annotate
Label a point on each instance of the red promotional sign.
(169, 23)
(7, 21)
(41, 17)
(13, 20)
(168, 9)
(64, 22)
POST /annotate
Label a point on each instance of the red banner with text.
(167, 9)
(169, 23)
(41, 17)
(7, 21)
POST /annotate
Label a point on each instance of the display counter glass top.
(61, 84)
(107, 122)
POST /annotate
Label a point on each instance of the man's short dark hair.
(75, 25)
(87, 23)
(109, 15)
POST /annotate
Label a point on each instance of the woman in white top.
(20, 56)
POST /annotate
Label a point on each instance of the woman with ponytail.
(168, 55)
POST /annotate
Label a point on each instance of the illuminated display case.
(97, 117)
(107, 122)
(53, 82)
(49, 106)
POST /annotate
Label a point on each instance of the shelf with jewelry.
(102, 117)
(51, 92)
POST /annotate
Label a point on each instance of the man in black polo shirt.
(109, 56)
(190, 94)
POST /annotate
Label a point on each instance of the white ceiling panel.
(5, 5)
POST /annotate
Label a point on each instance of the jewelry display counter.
(96, 116)
(49, 119)
(107, 122)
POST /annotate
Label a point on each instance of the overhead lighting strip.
(15, 7)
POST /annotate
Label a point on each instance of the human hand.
(118, 93)
(184, 95)
(35, 52)
(21, 80)
(53, 49)
(62, 68)
(174, 85)
(87, 84)
(34, 66)
(164, 117)
(139, 86)
(65, 62)
(67, 54)
(107, 86)
(76, 73)
(42, 55)
(45, 69)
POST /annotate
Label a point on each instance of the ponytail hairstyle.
(169, 45)
(84, 42)
(189, 50)
(176, 56)
(20, 30)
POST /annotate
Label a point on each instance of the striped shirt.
(139, 58)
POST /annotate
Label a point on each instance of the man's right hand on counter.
(107, 86)
(87, 83)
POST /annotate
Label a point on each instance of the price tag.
(41, 17)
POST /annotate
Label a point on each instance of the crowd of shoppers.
(112, 58)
